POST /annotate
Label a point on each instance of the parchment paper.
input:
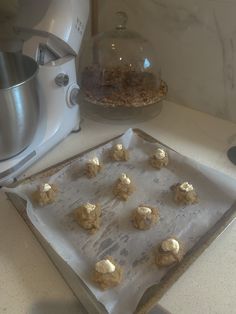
(133, 249)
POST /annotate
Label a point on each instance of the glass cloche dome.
(123, 74)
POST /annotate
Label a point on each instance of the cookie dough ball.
(93, 167)
(159, 159)
(45, 194)
(185, 194)
(88, 216)
(119, 153)
(123, 187)
(107, 273)
(144, 217)
(169, 253)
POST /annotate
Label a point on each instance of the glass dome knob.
(122, 19)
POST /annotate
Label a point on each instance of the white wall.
(195, 41)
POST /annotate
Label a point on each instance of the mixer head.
(57, 25)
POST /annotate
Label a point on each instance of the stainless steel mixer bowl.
(19, 103)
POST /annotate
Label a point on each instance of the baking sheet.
(131, 248)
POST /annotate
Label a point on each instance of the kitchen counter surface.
(30, 283)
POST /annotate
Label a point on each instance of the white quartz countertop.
(29, 283)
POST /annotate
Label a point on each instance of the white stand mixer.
(54, 29)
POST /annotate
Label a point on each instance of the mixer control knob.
(74, 96)
(62, 79)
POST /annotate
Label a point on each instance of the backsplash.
(8, 40)
(196, 44)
